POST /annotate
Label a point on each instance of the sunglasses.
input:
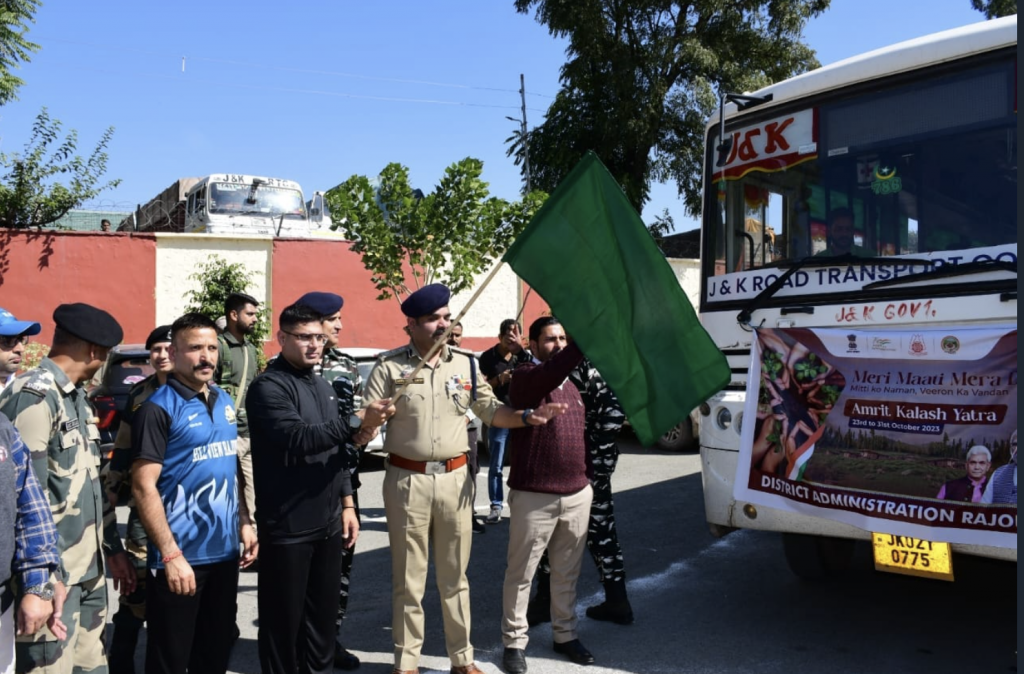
(9, 343)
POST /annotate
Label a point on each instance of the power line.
(248, 64)
(287, 90)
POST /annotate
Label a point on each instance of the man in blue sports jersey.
(185, 483)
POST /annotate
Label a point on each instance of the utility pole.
(526, 145)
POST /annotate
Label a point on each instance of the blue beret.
(161, 334)
(426, 300)
(322, 303)
(89, 324)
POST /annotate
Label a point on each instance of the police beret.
(88, 324)
(12, 327)
(161, 334)
(322, 303)
(426, 300)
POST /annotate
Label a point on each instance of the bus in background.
(225, 203)
(859, 253)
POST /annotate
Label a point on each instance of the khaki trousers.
(421, 509)
(245, 466)
(558, 523)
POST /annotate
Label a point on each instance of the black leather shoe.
(513, 661)
(575, 651)
(478, 526)
(620, 613)
(343, 659)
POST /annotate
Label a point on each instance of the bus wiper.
(947, 271)
(744, 316)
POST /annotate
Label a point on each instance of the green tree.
(14, 47)
(217, 279)
(450, 235)
(30, 194)
(993, 9)
(642, 78)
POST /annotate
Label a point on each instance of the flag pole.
(443, 339)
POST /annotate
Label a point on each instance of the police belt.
(428, 467)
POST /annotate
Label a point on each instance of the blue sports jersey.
(196, 443)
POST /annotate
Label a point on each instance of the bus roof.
(936, 48)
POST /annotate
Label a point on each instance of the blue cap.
(12, 327)
(426, 300)
(324, 304)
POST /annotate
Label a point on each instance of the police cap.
(89, 324)
(426, 300)
(161, 334)
(324, 304)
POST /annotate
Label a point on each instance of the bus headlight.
(705, 410)
(723, 418)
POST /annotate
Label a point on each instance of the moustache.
(202, 366)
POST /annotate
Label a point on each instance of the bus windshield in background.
(233, 199)
(926, 167)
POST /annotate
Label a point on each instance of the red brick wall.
(301, 266)
(113, 271)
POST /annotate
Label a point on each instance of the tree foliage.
(993, 9)
(30, 194)
(449, 236)
(14, 47)
(642, 78)
(218, 278)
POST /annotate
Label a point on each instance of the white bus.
(230, 203)
(869, 208)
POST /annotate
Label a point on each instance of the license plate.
(912, 556)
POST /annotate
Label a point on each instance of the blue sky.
(318, 91)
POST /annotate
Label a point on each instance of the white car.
(365, 360)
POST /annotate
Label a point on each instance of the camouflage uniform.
(237, 365)
(57, 425)
(131, 613)
(342, 373)
(604, 419)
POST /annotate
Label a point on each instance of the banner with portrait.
(908, 432)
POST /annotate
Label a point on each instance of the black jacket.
(298, 467)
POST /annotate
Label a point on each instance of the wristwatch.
(44, 591)
(355, 422)
(526, 413)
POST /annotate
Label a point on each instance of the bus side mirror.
(724, 148)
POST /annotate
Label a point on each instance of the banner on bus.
(909, 432)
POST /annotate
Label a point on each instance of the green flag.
(588, 254)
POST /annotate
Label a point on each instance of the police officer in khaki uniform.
(427, 488)
(49, 408)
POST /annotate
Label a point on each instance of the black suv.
(126, 364)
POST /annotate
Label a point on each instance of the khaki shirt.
(57, 425)
(430, 418)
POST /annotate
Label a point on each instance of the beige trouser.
(557, 522)
(245, 466)
(421, 509)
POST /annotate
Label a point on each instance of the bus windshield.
(926, 167)
(270, 200)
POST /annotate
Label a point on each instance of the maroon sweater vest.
(549, 459)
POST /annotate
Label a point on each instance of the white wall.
(687, 270)
(178, 256)
(499, 300)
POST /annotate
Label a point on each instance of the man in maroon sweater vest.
(549, 497)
